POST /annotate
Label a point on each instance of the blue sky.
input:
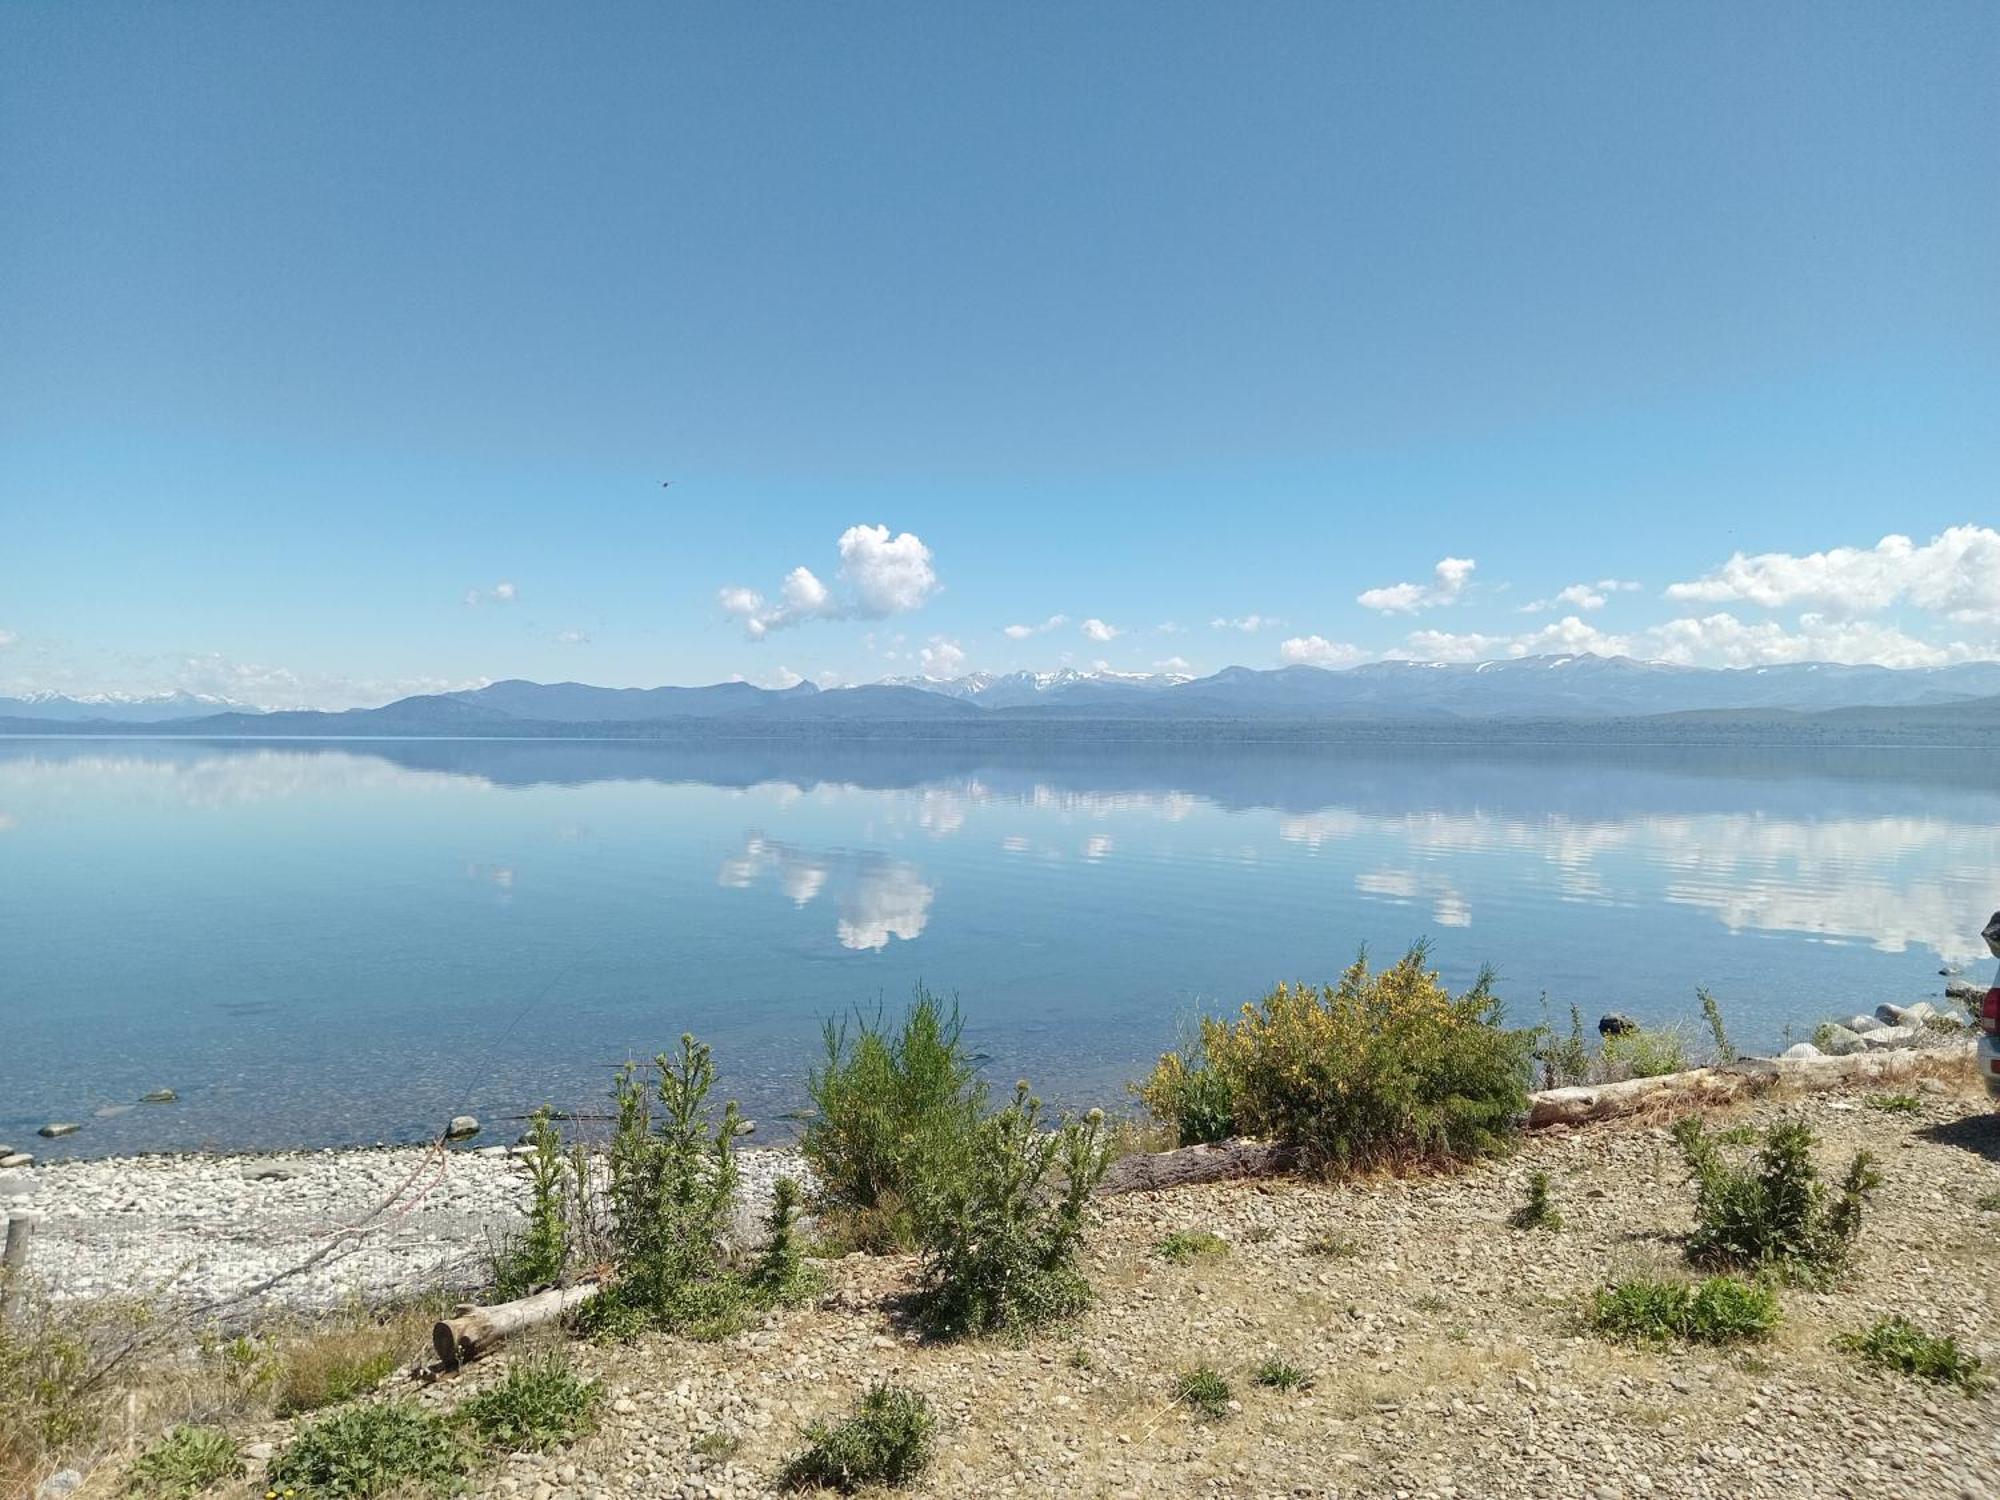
(319, 325)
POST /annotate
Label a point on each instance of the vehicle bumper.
(1989, 1064)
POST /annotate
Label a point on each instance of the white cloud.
(502, 592)
(7, 638)
(886, 575)
(1318, 651)
(1956, 574)
(1449, 579)
(1098, 631)
(1717, 640)
(942, 658)
(571, 638)
(1583, 596)
(1022, 632)
(1174, 664)
(1168, 627)
(1248, 624)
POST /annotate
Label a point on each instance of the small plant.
(1898, 1344)
(1184, 1245)
(333, 1366)
(185, 1462)
(541, 1404)
(1383, 1069)
(1644, 1053)
(1989, 1204)
(1203, 1391)
(1277, 1375)
(1775, 1214)
(1945, 1024)
(999, 1250)
(717, 1445)
(1187, 1094)
(891, 1108)
(1894, 1104)
(781, 1276)
(1565, 1060)
(378, 1448)
(886, 1441)
(1430, 1302)
(673, 1186)
(1720, 1310)
(1538, 1212)
(1735, 1135)
(1712, 1013)
(1334, 1246)
(539, 1255)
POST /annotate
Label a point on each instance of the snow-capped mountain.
(1023, 689)
(121, 708)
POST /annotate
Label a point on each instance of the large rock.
(461, 1128)
(1905, 1015)
(1862, 1025)
(1838, 1041)
(1799, 1051)
(1616, 1024)
(16, 1159)
(62, 1482)
(159, 1096)
(59, 1128)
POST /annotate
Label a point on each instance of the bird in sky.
(666, 484)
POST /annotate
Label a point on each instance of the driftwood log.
(1192, 1164)
(474, 1331)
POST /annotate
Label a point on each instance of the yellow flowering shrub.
(1384, 1069)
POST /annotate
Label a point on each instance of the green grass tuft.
(1334, 1246)
(1204, 1391)
(1538, 1212)
(886, 1441)
(1184, 1245)
(1720, 1310)
(541, 1404)
(1894, 1104)
(381, 1448)
(1277, 1375)
(185, 1462)
(1898, 1344)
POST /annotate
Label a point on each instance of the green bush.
(673, 1188)
(886, 1441)
(1191, 1098)
(1565, 1060)
(1711, 1012)
(542, 1403)
(1645, 1053)
(1000, 1236)
(380, 1448)
(1184, 1245)
(1720, 1310)
(1381, 1070)
(1278, 1375)
(1775, 1214)
(1203, 1390)
(185, 1462)
(890, 1108)
(1894, 1104)
(782, 1277)
(1539, 1212)
(1898, 1344)
(539, 1254)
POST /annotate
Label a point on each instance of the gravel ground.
(1446, 1345)
(203, 1228)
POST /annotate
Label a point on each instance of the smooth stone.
(159, 1096)
(17, 1159)
(53, 1132)
(16, 1187)
(259, 1452)
(1616, 1024)
(1838, 1041)
(1862, 1025)
(462, 1128)
(1799, 1051)
(268, 1172)
(63, 1482)
(745, 1127)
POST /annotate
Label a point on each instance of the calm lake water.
(341, 943)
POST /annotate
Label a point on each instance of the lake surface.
(325, 943)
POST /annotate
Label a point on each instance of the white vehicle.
(1989, 1017)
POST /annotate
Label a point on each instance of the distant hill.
(120, 708)
(1811, 697)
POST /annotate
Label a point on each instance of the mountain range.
(1574, 687)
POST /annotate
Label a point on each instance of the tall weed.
(1773, 1214)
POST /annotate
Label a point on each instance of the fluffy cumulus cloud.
(1448, 581)
(502, 592)
(1174, 664)
(1583, 596)
(1022, 632)
(7, 638)
(1715, 640)
(1096, 630)
(883, 575)
(1956, 575)
(1248, 624)
(572, 638)
(1318, 651)
(942, 658)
